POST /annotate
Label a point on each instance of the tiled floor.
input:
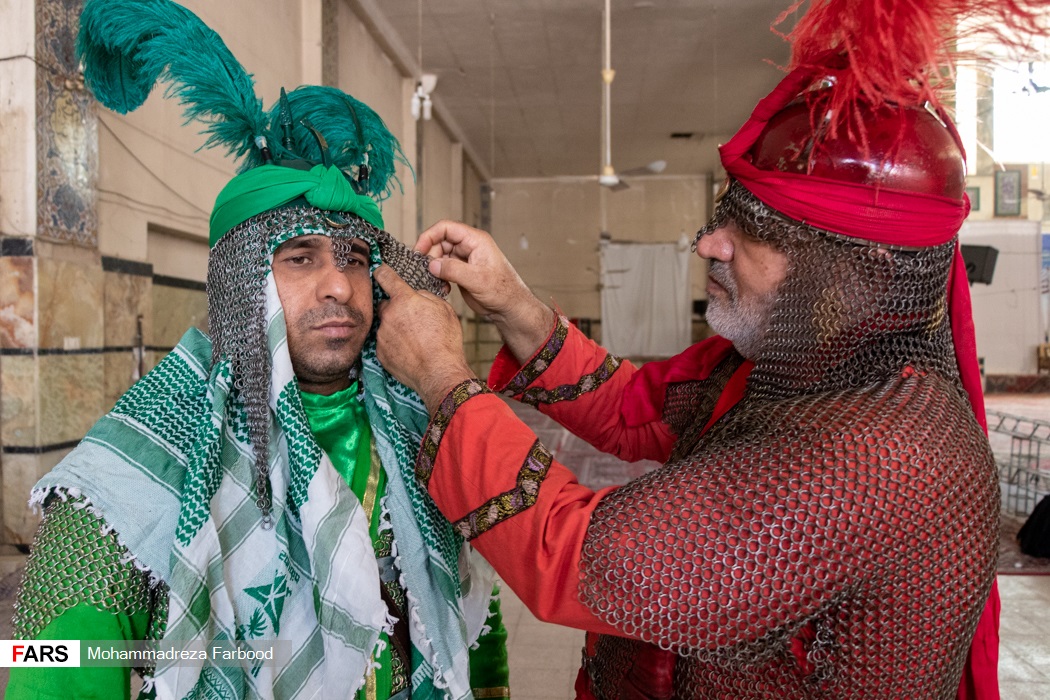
(544, 658)
(1024, 649)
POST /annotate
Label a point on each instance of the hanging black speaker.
(980, 263)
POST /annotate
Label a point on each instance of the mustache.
(719, 271)
(315, 317)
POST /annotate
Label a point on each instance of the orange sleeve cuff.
(510, 378)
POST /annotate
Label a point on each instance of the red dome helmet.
(906, 149)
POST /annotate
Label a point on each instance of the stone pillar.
(51, 277)
(19, 402)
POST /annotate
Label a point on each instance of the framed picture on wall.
(1008, 193)
(974, 193)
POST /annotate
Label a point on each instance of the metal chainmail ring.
(237, 269)
(74, 563)
(849, 502)
(892, 313)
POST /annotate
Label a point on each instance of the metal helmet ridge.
(909, 148)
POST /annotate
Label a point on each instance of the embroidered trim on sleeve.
(543, 359)
(517, 500)
(432, 438)
(568, 392)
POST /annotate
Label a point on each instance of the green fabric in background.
(488, 663)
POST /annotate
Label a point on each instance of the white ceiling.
(681, 66)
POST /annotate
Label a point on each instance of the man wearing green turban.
(258, 485)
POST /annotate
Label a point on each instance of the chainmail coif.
(835, 534)
(237, 269)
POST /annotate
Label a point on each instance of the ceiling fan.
(617, 181)
(609, 177)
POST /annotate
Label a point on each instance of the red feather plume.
(896, 53)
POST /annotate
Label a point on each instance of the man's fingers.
(442, 237)
(390, 281)
(453, 270)
(434, 237)
(429, 242)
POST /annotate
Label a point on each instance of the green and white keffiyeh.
(170, 470)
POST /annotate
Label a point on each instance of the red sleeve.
(477, 449)
(600, 398)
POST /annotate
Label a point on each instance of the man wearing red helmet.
(827, 521)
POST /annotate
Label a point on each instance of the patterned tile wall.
(67, 130)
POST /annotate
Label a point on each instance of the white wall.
(174, 255)
(1007, 315)
(442, 175)
(561, 220)
(150, 168)
(471, 195)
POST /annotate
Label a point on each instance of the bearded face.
(741, 318)
(327, 302)
(742, 283)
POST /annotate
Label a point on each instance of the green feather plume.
(128, 45)
(351, 129)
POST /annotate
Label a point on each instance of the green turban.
(269, 186)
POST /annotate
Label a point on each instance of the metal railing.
(1024, 470)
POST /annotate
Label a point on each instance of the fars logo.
(40, 654)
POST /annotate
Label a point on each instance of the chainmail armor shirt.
(80, 584)
(838, 545)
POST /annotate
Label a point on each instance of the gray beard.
(744, 324)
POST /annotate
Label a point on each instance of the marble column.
(51, 278)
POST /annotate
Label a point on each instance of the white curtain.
(646, 300)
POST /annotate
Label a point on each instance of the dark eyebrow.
(360, 247)
(315, 242)
(308, 242)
